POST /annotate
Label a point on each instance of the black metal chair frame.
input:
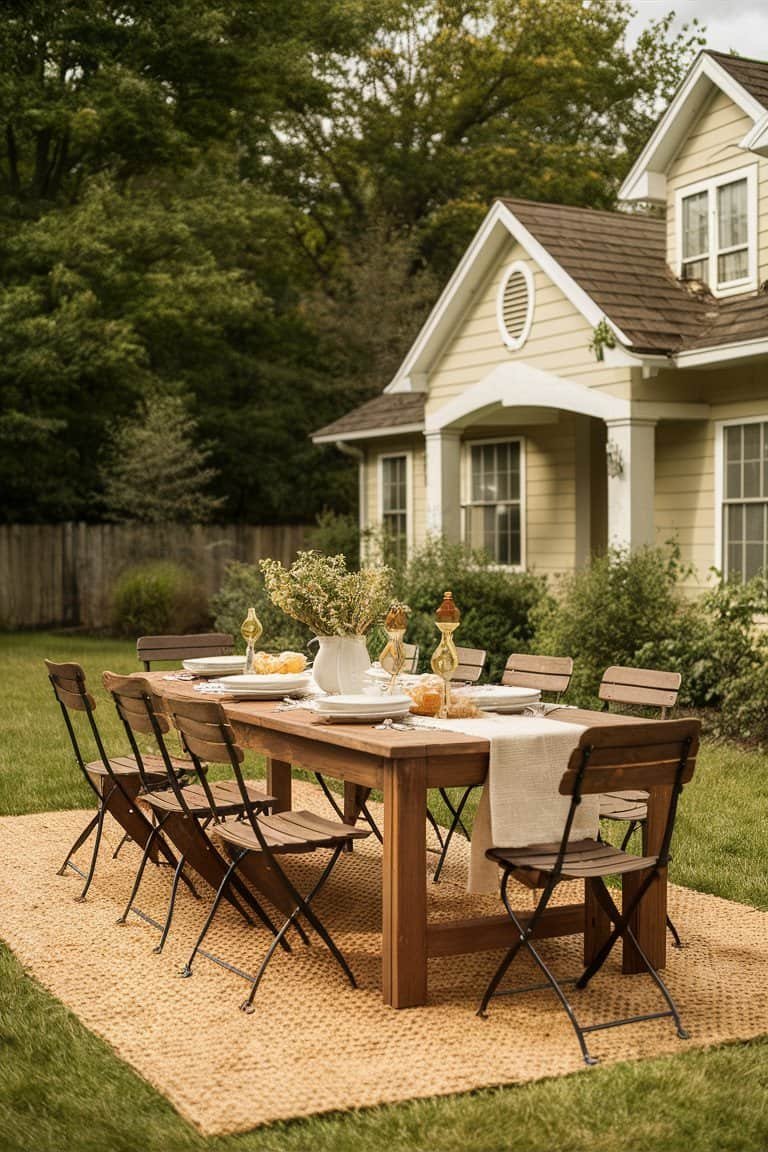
(620, 920)
(149, 701)
(102, 797)
(302, 904)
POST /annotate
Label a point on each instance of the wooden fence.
(63, 574)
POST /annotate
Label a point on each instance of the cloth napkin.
(520, 802)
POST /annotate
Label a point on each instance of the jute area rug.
(314, 1044)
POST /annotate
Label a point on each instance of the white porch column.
(631, 456)
(443, 483)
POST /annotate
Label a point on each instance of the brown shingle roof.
(751, 74)
(390, 410)
(619, 260)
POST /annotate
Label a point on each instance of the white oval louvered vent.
(515, 305)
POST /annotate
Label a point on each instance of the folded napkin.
(520, 803)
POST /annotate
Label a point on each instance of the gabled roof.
(390, 413)
(745, 82)
(619, 260)
(752, 75)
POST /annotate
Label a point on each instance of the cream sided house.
(591, 378)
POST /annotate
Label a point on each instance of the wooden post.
(279, 783)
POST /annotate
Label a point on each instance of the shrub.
(159, 597)
(744, 713)
(712, 642)
(244, 586)
(496, 606)
(609, 612)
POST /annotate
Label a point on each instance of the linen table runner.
(520, 802)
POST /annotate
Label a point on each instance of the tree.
(156, 470)
(450, 103)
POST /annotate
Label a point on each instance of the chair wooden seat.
(127, 766)
(632, 806)
(226, 794)
(583, 859)
(299, 831)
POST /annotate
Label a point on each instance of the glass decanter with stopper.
(445, 658)
(250, 630)
(392, 656)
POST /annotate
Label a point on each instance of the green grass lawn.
(63, 1090)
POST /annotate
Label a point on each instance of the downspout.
(359, 455)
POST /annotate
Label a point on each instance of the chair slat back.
(411, 658)
(629, 756)
(164, 649)
(641, 686)
(136, 701)
(471, 664)
(68, 682)
(551, 674)
(205, 730)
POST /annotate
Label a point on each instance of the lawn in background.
(63, 1090)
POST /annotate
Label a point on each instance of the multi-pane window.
(745, 499)
(493, 513)
(715, 239)
(394, 503)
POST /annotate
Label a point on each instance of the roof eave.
(375, 433)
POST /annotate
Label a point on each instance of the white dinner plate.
(273, 680)
(360, 701)
(360, 715)
(214, 663)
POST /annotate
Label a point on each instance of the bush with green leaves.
(496, 606)
(157, 598)
(713, 642)
(243, 587)
(608, 612)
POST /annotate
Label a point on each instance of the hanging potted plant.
(338, 605)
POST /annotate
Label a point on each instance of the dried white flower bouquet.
(322, 593)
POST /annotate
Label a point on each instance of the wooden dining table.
(403, 766)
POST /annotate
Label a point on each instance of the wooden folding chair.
(182, 811)
(645, 688)
(256, 842)
(115, 781)
(551, 675)
(167, 649)
(650, 754)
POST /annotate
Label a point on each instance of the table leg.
(279, 783)
(404, 913)
(355, 795)
(597, 924)
(649, 921)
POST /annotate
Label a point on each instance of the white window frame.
(466, 494)
(720, 426)
(409, 516)
(732, 287)
(510, 342)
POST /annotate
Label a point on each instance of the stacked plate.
(500, 698)
(361, 708)
(214, 665)
(262, 687)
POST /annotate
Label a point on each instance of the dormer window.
(718, 232)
